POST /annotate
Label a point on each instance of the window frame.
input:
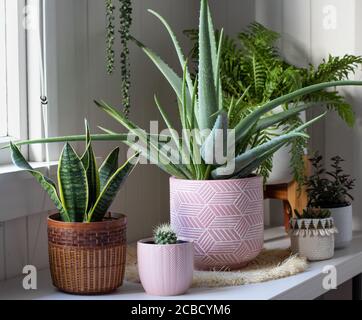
(3, 70)
(16, 80)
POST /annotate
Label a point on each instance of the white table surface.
(307, 285)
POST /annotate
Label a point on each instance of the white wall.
(76, 77)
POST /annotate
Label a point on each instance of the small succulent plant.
(85, 193)
(313, 213)
(164, 234)
(329, 189)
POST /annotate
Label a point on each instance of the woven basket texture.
(87, 258)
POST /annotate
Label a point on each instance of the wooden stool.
(289, 193)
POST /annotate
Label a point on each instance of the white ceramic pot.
(282, 172)
(343, 222)
(316, 247)
(313, 238)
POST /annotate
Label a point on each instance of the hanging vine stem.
(124, 31)
(110, 55)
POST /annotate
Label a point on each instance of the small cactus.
(164, 234)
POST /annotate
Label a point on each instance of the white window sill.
(303, 286)
(10, 171)
(20, 193)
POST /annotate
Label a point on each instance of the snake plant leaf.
(244, 126)
(111, 189)
(248, 157)
(178, 49)
(90, 165)
(208, 100)
(47, 184)
(218, 133)
(73, 186)
(108, 168)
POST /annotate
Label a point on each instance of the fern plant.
(85, 193)
(253, 73)
(203, 109)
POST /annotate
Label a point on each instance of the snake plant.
(85, 193)
(201, 109)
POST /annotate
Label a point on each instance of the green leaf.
(110, 191)
(208, 101)
(218, 84)
(75, 138)
(178, 49)
(149, 155)
(248, 170)
(244, 126)
(213, 47)
(108, 168)
(248, 157)
(165, 160)
(47, 184)
(208, 150)
(73, 186)
(173, 79)
(90, 165)
(278, 118)
(346, 112)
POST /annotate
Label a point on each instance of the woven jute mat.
(269, 265)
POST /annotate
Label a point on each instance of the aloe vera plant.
(201, 110)
(85, 193)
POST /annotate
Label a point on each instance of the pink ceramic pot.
(165, 270)
(224, 219)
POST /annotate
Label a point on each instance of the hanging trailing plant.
(124, 31)
(110, 36)
(125, 17)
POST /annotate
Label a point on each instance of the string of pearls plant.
(125, 23)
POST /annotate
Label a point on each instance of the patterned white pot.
(313, 238)
(316, 247)
(223, 218)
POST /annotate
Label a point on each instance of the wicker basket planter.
(313, 238)
(87, 258)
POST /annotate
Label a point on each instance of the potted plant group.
(165, 264)
(87, 247)
(330, 190)
(252, 66)
(215, 190)
(312, 234)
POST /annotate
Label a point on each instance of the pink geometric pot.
(224, 219)
(165, 270)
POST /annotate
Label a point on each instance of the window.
(3, 94)
(13, 99)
